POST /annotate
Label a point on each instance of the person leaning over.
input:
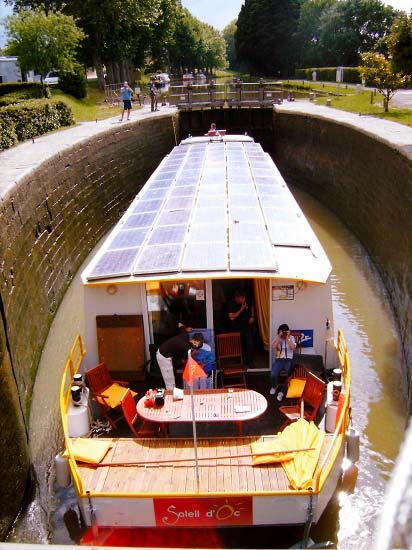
(126, 94)
(284, 344)
(175, 347)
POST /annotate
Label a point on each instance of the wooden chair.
(230, 360)
(107, 393)
(296, 382)
(309, 403)
(147, 429)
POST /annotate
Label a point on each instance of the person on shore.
(284, 345)
(175, 347)
(153, 94)
(126, 94)
(213, 131)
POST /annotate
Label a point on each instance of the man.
(241, 318)
(175, 347)
(153, 94)
(126, 94)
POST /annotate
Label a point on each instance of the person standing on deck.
(153, 95)
(175, 347)
(242, 317)
(284, 346)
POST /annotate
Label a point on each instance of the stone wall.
(51, 217)
(367, 181)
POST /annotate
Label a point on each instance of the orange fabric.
(339, 409)
(296, 387)
(197, 371)
(112, 395)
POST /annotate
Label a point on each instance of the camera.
(285, 334)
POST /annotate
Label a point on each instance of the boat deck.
(225, 466)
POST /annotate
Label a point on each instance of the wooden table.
(221, 405)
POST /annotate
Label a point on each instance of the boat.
(187, 77)
(215, 215)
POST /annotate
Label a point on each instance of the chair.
(230, 360)
(106, 392)
(296, 382)
(148, 429)
(309, 403)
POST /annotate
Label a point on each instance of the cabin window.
(173, 302)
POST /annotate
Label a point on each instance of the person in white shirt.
(284, 345)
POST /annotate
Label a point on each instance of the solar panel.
(209, 256)
(244, 231)
(247, 256)
(171, 234)
(159, 258)
(239, 214)
(128, 239)
(147, 206)
(186, 191)
(208, 214)
(174, 217)
(140, 220)
(114, 263)
(175, 203)
(208, 232)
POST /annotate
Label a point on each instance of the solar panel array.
(210, 206)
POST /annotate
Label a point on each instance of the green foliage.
(377, 71)
(229, 37)
(351, 75)
(8, 136)
(196, 45)
(74, 83)
(33, 118)
(265, 33)
(400, 44)
(336, 32)
(43, 42)
(31, 89)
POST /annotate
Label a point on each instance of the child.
(202, 354)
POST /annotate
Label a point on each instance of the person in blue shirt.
(126, 94)
(202, 354)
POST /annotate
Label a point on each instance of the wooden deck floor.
(234, 474)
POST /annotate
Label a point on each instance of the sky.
(217, 13)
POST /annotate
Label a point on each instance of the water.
(378, 401)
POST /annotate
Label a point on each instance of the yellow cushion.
(113, 395)
(266, 452)
(295, 388)
(91, 451)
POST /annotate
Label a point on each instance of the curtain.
(261, 288)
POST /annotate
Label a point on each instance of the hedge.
(32, 118)
(328, 74)
(29, 89)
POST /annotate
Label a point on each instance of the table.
(223, 405)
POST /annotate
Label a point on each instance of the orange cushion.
(113, 395)
(295, 388)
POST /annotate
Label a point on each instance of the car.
(51, 78)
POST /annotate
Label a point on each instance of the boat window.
(173, 302)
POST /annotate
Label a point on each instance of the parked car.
(51, 78)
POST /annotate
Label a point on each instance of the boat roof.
(216, 207)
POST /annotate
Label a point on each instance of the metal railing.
(232, 94)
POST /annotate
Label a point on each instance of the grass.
(92, 107)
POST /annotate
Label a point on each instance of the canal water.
(378, 402)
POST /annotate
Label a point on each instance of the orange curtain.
(262, 294)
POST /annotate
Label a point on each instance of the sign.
(199, 512)
(339, 74)
(307, 336)
(283, 292)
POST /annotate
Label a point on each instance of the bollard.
(328, 102)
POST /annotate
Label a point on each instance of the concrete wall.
(51, 214)
(361, 170)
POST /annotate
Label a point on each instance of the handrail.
(73, 364)
(342, 352)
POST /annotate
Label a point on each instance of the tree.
(43, 42)
(229, 37)
(400, 44)
(265, 36)
(349, 28)
(376, 70)
(309, 32)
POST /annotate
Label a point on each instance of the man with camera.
(284, 345)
